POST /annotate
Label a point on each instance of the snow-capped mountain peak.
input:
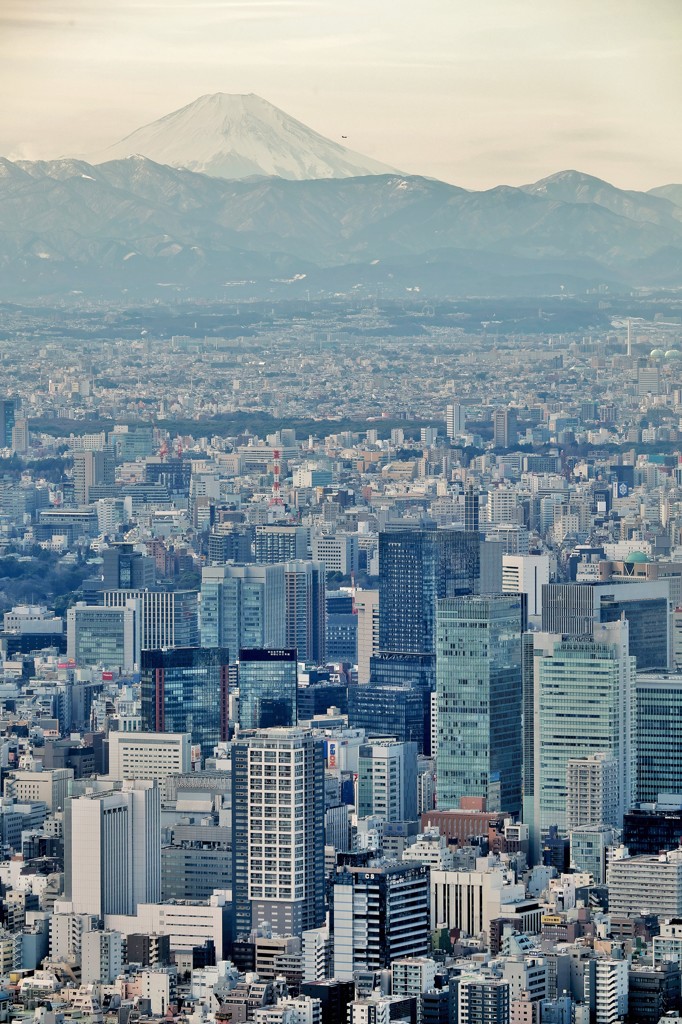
(240, 135)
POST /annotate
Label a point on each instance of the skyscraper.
(112, 854)
(278, 831)
(243, 606)
(416, 568)
(367, 609)
(104, 636)
(471, 506)
(268, 681)
(479, 700)
(584, 698)
(304, 584)
(454, 420)
(92, 469)
(658, 730)
(387, 780)
(505, 433)
(185, 689)
(8, 413)
(574, 608)
(170, 618)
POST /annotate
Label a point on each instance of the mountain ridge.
(135, 227)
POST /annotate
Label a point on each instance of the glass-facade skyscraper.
(268, 681)
(584, 698)
(417, 567)
(479, 700)
(185, 689)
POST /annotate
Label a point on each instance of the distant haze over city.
(476, 95)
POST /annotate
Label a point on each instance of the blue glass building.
(185, 689)
(268, 684)
(479, 700)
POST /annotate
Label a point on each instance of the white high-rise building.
(278, 831)
(526, 574)
(454, 420)
(367, 607)
(113, 848)
(592, 791)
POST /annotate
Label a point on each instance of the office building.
(417, 567)
(112, 855)
(93, 470)
(653, 827)
(274, 543)
(479, 700)
(124, 568)
(526, 574)
(454, 420)
(243, 606)
(584, 692)
(367, 611)
(9, 408)
(339, 552)
(149, 755)
(387, 780)
(185, 690)
(396, 893)
(658, 729)
(196, 859)
(471, 509)
(653, 992)
(574, 609)
(505, 430)
(268, 688)
(305, 591)
(278, 831)
(49, 786)
(592, 796)
(109, 637)
(170, 618)
(402, 711)
(589, 849)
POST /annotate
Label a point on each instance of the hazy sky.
(476, 92)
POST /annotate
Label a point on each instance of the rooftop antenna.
(629, 336)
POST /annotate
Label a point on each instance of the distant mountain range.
(138, 229)
(239, 136)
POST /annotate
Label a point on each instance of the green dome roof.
(656, 353)
(636, 556)
(673, 353)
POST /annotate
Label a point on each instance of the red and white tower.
(276, 498)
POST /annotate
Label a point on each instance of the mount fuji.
(241, 136)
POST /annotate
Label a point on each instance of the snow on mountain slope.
(238, 136)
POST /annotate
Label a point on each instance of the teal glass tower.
(479, 700)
